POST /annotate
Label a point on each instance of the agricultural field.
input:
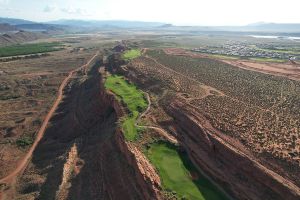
(179, 175)
(134, 100)
(268, 60)
(279, 48)
(26, 49)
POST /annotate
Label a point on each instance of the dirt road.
(23, 162)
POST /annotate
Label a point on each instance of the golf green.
(179, 175)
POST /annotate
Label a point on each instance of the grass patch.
(25, 49)
(225, 57)
(179, 175)
(134, 100)
(268, 60)
(131, 54)
(289, 51)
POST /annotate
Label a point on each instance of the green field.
(132, 98)
(225, 57)
(175, 171)
(131, 54)
(26, 49)
(290, 51)
(268, 60)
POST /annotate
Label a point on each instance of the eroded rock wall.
(236, 172)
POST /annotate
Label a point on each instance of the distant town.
(252, 51)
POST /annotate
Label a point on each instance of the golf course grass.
(131, 54)
(175, 172)
(134, 100)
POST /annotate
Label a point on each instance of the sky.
(178, 12)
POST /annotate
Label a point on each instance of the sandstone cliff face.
(232, 169)
(101, 167)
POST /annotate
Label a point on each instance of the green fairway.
(131, 54)
(26, 49)
(132, 98)
(175, 171)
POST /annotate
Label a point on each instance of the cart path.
(161, 131)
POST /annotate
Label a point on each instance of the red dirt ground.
(23, 162)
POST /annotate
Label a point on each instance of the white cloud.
(50, 8)
(75, 11)
(4, 1)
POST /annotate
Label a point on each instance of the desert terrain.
(116, 115)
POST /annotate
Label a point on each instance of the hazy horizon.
(189, 12)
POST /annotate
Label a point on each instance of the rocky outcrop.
(237, 172)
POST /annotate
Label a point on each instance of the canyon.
(84, 154)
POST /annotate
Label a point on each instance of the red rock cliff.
(83, 154)
(240, 175)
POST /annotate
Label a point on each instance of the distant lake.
(275, 37)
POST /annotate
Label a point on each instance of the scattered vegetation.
(131, 54)
(132, 98)
(24, 142)
(178, 174)
(26, 49)
(260, 110)
(265, 91)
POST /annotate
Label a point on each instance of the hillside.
(13, 21)
(40, 27)
(19, 37)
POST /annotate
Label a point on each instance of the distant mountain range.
(107, 23)
(7, 24)
(264, 27)
(10, 24)
(7, 27)
(13, 21)
(277, 27)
